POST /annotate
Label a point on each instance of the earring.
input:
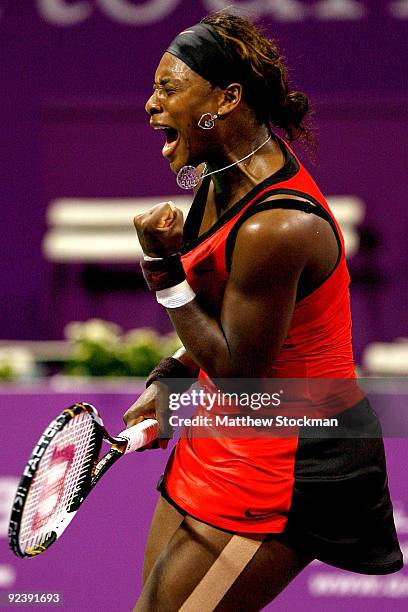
(207, 121)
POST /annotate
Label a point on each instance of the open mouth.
(172, 139)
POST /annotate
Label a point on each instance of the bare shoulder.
(278, 235)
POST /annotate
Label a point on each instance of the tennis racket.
(62, 470)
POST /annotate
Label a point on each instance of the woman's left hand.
(160, 230)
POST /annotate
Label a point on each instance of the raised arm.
(271, 251)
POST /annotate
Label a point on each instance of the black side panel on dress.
(341, 508)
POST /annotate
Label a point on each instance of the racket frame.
(119, 446)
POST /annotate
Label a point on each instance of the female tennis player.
(256, 285)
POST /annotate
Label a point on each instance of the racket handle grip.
(139, 435)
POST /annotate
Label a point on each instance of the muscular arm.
(271, 250)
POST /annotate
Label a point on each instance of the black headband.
(207, 53)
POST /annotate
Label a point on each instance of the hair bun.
(263, 75)
(295, 107)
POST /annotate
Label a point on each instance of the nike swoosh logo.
(156, 276)
(250, 514)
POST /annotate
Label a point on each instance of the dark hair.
(266, 88)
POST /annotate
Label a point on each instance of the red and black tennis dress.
(329, 495)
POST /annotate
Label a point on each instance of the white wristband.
(148, 258)
(176, 296)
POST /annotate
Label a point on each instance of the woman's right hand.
(151, 404)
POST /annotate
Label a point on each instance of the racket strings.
(61, 474)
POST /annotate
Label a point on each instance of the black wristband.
(168, 368)
(163, 273)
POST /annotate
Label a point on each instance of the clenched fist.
(160, 230)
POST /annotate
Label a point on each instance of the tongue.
(169, 147)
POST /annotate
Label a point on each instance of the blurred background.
(79, 161)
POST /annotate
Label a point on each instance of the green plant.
(99, 348)
(16, 363)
